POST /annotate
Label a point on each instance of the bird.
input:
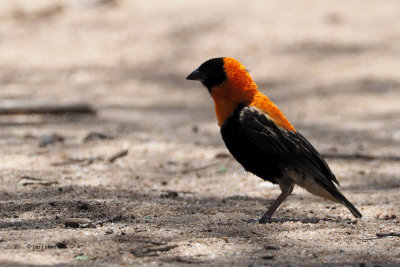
(261, 139)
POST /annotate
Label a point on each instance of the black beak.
(196, 75)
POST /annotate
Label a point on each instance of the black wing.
(292, 149)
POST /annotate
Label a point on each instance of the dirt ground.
(177, 198)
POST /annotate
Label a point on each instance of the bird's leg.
(286, 191)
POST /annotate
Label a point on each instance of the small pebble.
(109, 232)
(50, 139)
(61, 245)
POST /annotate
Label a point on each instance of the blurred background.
(333, 69)
(331, 66)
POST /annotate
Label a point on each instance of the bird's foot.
(261, 220)
(264, 220)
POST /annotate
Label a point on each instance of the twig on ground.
(200, 168)
(47, 109)
(29, 180)
(118, 155)
(387, 234)
(80, 161)
(367, 238)
(90, 160)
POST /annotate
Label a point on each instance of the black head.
(210, 73)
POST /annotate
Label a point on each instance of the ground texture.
(177, 197)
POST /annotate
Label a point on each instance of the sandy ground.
(176, 198)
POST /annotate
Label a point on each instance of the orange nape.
(239, 88)
(263, 103)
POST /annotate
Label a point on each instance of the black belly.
(250, 156)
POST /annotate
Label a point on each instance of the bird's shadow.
(312, 220)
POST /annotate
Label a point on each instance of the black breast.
(252, 157)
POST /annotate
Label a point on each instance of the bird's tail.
(343, 200)
(332, 193)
